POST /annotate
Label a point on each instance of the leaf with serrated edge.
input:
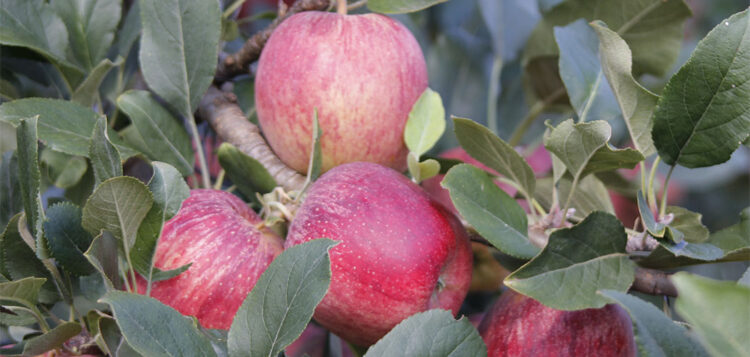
(18, 261)
(11, 201)
(426, 123)
(655, 333)
(400, 6)
(28, 169)
(717, 310)
(105, 159)
(282, 302)
(689, 223)
(67, 239)
(433, 333)
(704, 112)
(491, 211)
(155, 329)
(91, 28)
(52, 339)
(576, 263)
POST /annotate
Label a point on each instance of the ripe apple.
(400, 251)
(517, 325)
(223, 239)
(362, 73)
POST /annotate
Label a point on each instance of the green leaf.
(23, 292)
(655, 333)
(745, 279)
(282, 302)
(64, 170)
(581, 72)
(491, 211)
(248, 174)
(179, 49)
(400, 6)
(91, 28)
(576, 263)
(30, 177)
(734, 240)
(154, 329)
(52, 339)
(654, 228)
(421, 171)
(63, 125)
(704, 112)
(426, 123)
(118, 206)
(487, 148)
(88, 91)
(430, 333)
(130, 30)
(166, 137)
(105, 159)
(689, 223)
(718, 312)
(636, 103)
(67, 239)
(316, 158)
(102, 254)
(591, 195)
(11, 201)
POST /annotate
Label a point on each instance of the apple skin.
(517, 325)
(363, 74)
(396, 242)
(216, 232)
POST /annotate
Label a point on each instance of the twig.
(237, 63)
(653, 282)
(220, 109)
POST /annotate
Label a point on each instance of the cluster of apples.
(401, 250)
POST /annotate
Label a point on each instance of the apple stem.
(341, 7)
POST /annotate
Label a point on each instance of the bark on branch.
(653, 282)
(238, 63)
(220, 109)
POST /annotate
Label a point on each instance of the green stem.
(201, 155)
(570, 196)
(230, 10)
(663, 206)
(537, 109)
(220, 180)
(494, 91)
(356, 5)
(651, 196)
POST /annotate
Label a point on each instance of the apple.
(400, 251)
(517, 325)
(228, 248)
(362, 73)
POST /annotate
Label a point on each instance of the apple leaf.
(179, 49)
(91, 28)
(316, 157)
(493, 213)
(426, 123)
(689, 223)
(66, 238)
(154, 329)
(282, 302)
(11, 201)
(54, 338)
(248, 174)
(22, 292)
(487, 148)
(576, 263)
(582, 75)
(30, 179)
(636, 103)
(64, 170)
(63, 126)
(166, 137)
(118, 206)
(400, 6)
(717, 310)
(421, 171)
(102, 254)
(87, 92)
(105, 159)
(745, 279)
(704, 112)
(430, 333)
(654, 228)
(655, 333)
(591, 195)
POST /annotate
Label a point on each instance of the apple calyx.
(279, 206)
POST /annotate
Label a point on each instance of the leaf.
(130, 30)
(704, 112)
(430, 333)
(105, 159)
(591, 195)
(63, 126)
(717, 310)
(52, 339)
(64, 170)
(91, 28)
(88, 91)
(576, 263)
(745, 279)
(18, 260)
(689, 223)
(426, 123)
(636, 103)
(179, 49)
(581, 72)
(22, 292)
(400, 6)
(316, 158)
(154, 329)
(282, 302)
(655, 333)
(118, 206)
(734, 240)
(166, 137)
(248, 174)
(66, 238)
(11, 201)
(30, 179)
(102, 254)
(487, 148)
(428, 168)
(654, 228)
(493, 213)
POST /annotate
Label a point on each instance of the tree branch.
(653, 282)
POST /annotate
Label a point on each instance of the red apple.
(363, 74)
(517, 325)
(400, 251)
(223, 239)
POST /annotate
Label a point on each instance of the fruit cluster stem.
(341, 7)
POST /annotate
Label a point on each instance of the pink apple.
(400, 251)
(221, 236)
(517, 325)
(363, 74)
